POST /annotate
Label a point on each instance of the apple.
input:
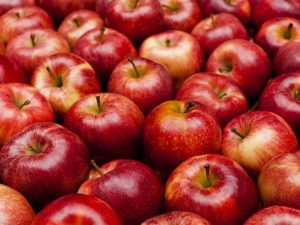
(143, 81)
(275, 215)
(213, 186)
(254, 138)
(77, 24)
(20, 19)
(43, 162)
(2, 48)
(243, 61)
(181, 14)
(177, 130)
(137, 19)
(110, 125)
(63, 79)
(77, 209)
(276, 32)
(177, 218)
(10, 72)
(178, 51)
(14, 208)
(7, 5)
(221, 94)
(130, 187)
(29, 48)
(102, 7)
(216, 29)
(104, 48)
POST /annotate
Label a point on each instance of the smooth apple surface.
(102, 7)
(7, 5)
(10, 72)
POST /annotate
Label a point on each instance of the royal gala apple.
(139, 186)
(254, 138)
(43, 162)
(10, 72)
(77, 209)
(14, 208)
(213, 186)
(7, 5)
(143, 81)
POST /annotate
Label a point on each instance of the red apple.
(32, 46)
(254, 138)
(181, 14)
(14, 208)
(7, 5)
(20, 19)
(110, 125)
(275, 215)
(213, 186)
(130, 187)
(213, 31)
(77, 209)
(177, 218)
(2, 48)
(63, 79)
(43, 162)
(10, 72)
(278, 182)
(143, 81)
(178, 51)
(77, 24)
(104, 49)
(243, 61)
(221, 94)
(102, 7)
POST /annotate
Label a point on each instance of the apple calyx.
(27, 102)
(288, 32)
(99, 106)
(235, 131)
(171, 8)
(102, 31)
(297, 95)
(57, 79)
(33, 40)
(76, 22)
(34, 151)
(136, 71)
(96, 167)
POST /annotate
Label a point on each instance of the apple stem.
(18, 15)
(207, 171)
(33, 42)
(235, 131)
(254, 106)
(100, 109)
(213, 20)
(130, 60)
(222, 95)
(96, 167)
(229, 2)
(168, 42)
(297, 95)
(27, 102)
(102, 31)
(288, 32)
(76, 21)
(135, 4)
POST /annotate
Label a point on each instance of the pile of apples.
(149, 112)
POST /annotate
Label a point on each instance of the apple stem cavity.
(27, 102)
(235, 131)
(33, 41)
(100, 108)
(172, 8)
(189, 106)
(288, 33)
(96, 167)
(76, 22)
(130, 60)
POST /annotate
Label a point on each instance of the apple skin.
(28, 54)
(265, 10)
(10, 72)
(149, 87)
(178, 51)
(243, 61)
(119, 124)
(77, 24)
(127, 186)
(265, 136)
(228, 200)
(275, 215)
(104, 50)
(177, 130)
(219, 93)
(102, 7)
(20, 19)
(69, 79)
(177, 218)
(213, 31)
(14, 208)
(7, 5)
(181, 14)
(2, 48)
(77, 209)
(43, 162)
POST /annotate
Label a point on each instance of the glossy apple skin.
(266, 135)
(152, 87)
(47, 42)
(119, 125)
(12, 96)
(213, 31)
(57, 166)
(271, 34)
(14, 208)
(130, 187)
(275, 215)
(104, 53)
(239, 8)
(243, 61)
(229, 201)
(177, 218)
(20, 19)
(176, 130)
(70, 78)
(10, 72)
(265, 10)
(183, 57)
(77, 209)
(181, 14)
(7, 5)
(209, 89)
(77, 24)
